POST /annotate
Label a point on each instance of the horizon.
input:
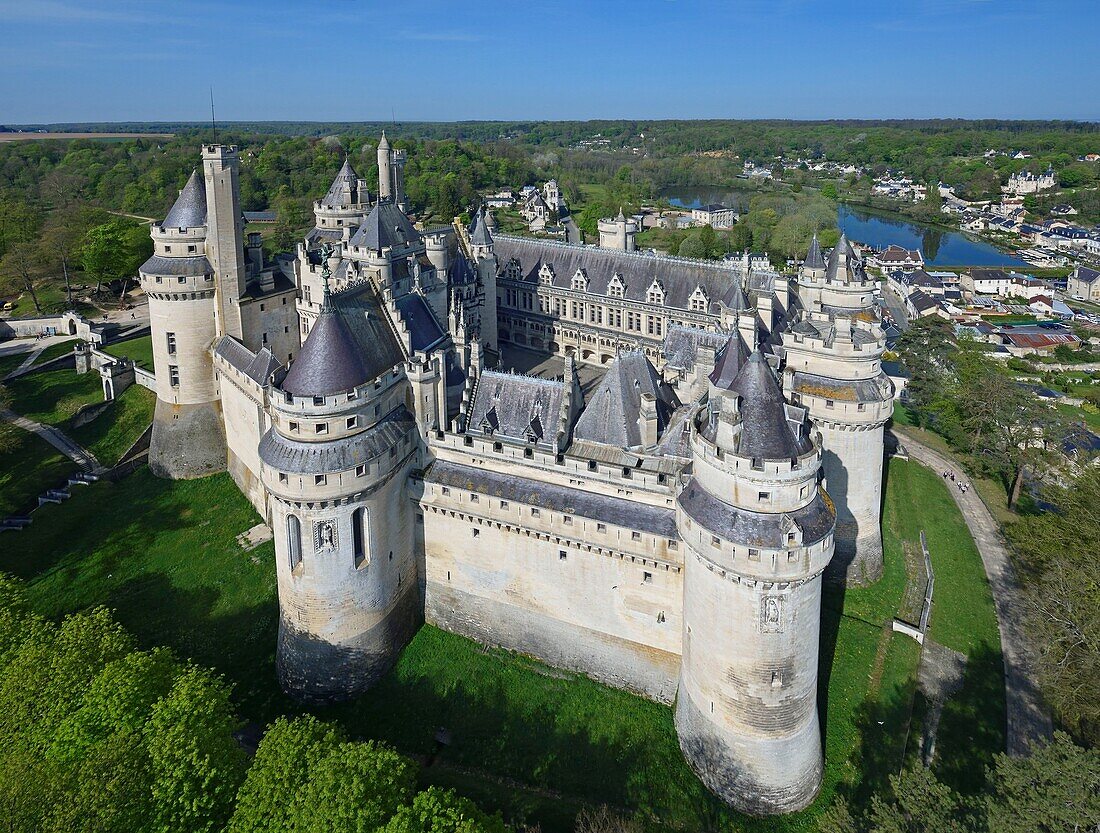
(118, 61)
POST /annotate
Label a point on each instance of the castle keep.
(656, 505)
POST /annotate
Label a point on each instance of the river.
(940, 247)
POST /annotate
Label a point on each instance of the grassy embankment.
(530, 740)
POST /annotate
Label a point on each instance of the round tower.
(345, 204)
(188, 438)
(334, 463)
(833, 367)
(617, 232)
(759, 534)
(385, 170)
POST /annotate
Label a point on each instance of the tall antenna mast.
(213, 124)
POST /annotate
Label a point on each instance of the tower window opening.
(321, 427)
(763, 495)
(170, 338)
(320, 479)
(318, 400)
(647, 577)
(358, 535)
(352, 422)
(293, 541)
(173, 375)
(562, 555)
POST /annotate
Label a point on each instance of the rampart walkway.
(1027, 717)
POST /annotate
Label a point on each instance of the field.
(532, 741)
(140, 350)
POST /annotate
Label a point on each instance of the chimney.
(747, 327)
(647, 420)
(255, 252)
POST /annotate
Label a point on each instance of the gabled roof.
(770, 429)
(189, 209)
(517, 407)
(385, 227)
(680, 276)
(350, 344)
(344, 189)
(612, 414)
(681, 346)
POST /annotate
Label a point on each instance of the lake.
(940, 247)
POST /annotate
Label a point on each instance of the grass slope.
(28, 467)
(530, 740)
(111, 434)
(140, 350)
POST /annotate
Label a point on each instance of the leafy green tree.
(196, 763)
(272, 795)
(357, 788)
(1056, 788)
(104, 254)
(919, 804)
(443, 811)
(1062, 594)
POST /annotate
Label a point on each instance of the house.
(1026, 182)
(1062, 209)
(899, 376)
(897, 257)
(714, 215)
(987, 281)
(501, 199)
(921, 305)
(1084, 283)
(1037, 338)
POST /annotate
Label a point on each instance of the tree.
(21, 267)
(197, 765)
(60, 244)
(357, 788)
(919, 804)
(442, 811)
(1055, 788)
(103, 253)
(1063, 598)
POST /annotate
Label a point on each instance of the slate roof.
(852, 270)
(679, 276)
(346, 453)
(385, 227)
(344, 189)
(602, 508)
(256, 366)
(770, 428)
(681, 345)
(728, 362)
(512, 406)
(423, 328)
(814, 258)
(189, 209)
(350, 344)
(1089, 276)
(755, 529)
(479, 230)
(177, 266)
(612, 413)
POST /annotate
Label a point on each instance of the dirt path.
(77, 453)
(1027, 717)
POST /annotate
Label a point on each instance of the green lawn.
(28, 467)
(140, 350)
(1075, 413)
(111, 434)
(54, 396)
(533, 742)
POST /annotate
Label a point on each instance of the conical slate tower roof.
(479, 230)
(344, 189)
(189, 210)
(330, 361)
(814, 258)
(766, 431)
(385, 227)
(728, 363)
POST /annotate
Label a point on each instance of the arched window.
(293, 540)
(359, 535)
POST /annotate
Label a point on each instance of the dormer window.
(615, 287)
(580, 281)
(699, 300)
(513, 271)
(656, 293)
(546, 274)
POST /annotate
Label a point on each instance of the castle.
(649, 509)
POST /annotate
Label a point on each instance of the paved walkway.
(78, 454)
(1027, 717)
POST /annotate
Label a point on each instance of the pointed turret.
(814, 258)
(344, 189)
(770, 428)
(189, 210)
(728, 362)
(330, 361)
(479, 231)
(385, 170)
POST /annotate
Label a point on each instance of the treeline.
(96, 735)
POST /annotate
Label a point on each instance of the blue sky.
(114, 60)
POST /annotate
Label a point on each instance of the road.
(77, 453)
(896, 307)
(1026, 716)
